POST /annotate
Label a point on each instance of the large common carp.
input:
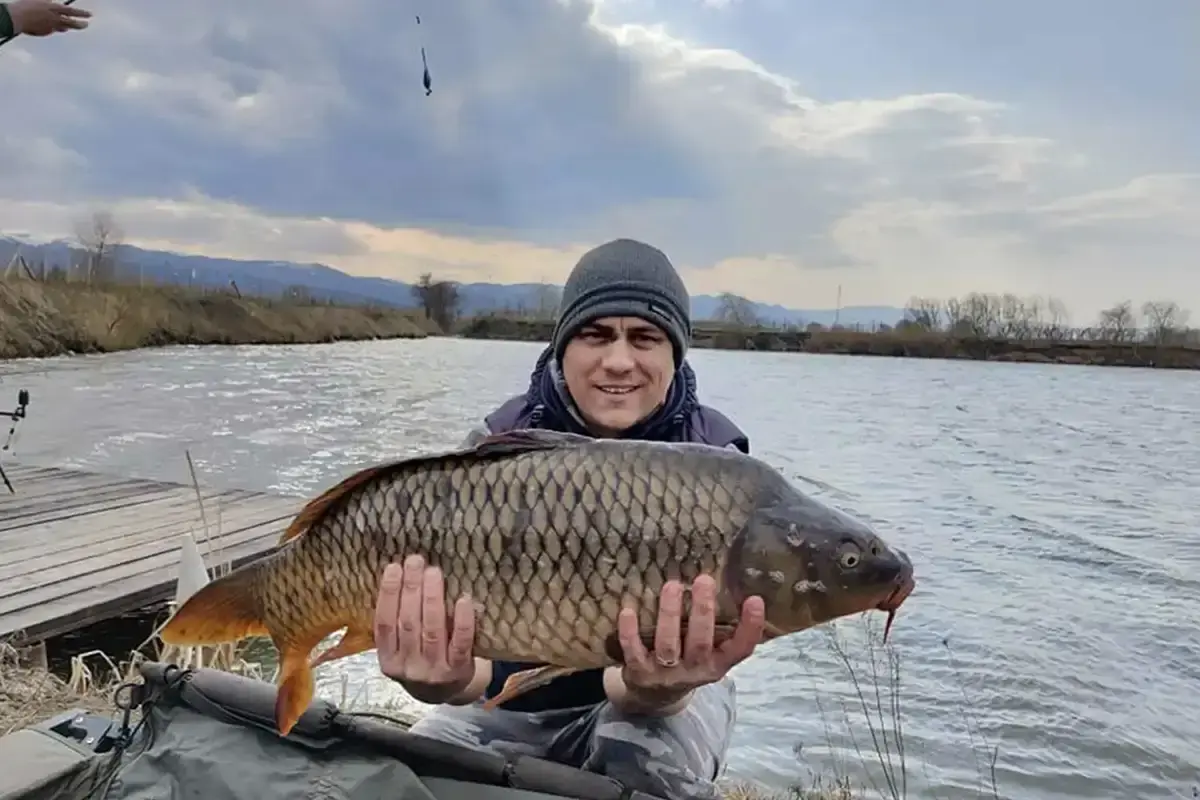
(551, 534)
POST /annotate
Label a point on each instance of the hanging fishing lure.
(426, 79)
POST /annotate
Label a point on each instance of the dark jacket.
(7, 29)
(682, 417)
(545, 404)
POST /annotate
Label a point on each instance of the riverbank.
(39, 319)
(896, 343)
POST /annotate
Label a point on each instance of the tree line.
(1007, 316)
(980, 315)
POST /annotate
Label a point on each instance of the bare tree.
(439, 299)
(736, 310)
(1057, 322)
(1165, 321)
(924, 313)
(1009, 316)
(100, 236)
(1118, 324)
(979, 315)
(546, 301)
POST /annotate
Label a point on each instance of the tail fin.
(225, 610)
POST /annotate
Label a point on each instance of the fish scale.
(551, 535)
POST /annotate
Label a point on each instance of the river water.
(1050, 512)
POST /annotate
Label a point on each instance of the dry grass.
(818, 789)
(31, 694)
(54, 318)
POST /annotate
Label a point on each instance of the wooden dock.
(77, 547)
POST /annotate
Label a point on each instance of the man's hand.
(411, 641)
(43, 17)
(661, 682)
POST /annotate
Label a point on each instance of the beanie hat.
(625, 278)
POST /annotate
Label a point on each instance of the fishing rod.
(16, 415)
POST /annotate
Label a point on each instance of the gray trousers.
(674, 757)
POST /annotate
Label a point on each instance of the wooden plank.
(30, 485)
(98, 522)
(167, 524)
(51, 485)
(31, 480)
(99, 603)
(61, 483)
(111, 498)
(105, 556)
(16, 505)
(119, 525)
(78, 547)
(55, 512)
(18, 471)
(127, 563)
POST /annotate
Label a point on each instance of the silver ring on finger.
(665, 663)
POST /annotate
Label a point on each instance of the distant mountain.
(276, 277)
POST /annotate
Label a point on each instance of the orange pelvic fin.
(296, 687)
(527, 680)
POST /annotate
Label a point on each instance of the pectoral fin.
(353, 642)
(527, 680)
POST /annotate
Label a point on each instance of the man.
(39, 18)
(661, 724)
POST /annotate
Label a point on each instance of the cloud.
(301, 131)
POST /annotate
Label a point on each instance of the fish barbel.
(550, 534)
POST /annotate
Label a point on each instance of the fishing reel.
(16, 415)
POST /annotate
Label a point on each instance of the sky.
(778, 149)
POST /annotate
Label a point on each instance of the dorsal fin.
(496, 445)
(524, 440)
(315, 509)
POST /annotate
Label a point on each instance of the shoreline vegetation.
(42, 318)
(56, 313)
(976, 328)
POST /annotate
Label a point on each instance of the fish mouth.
(899, 594)
(904, 587)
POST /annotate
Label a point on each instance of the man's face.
(618, 371)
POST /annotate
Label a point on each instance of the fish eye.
(850, 557)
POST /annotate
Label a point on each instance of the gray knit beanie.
(625, 278)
